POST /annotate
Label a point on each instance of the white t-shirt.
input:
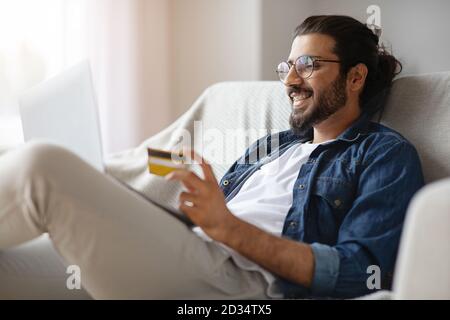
(264, 201)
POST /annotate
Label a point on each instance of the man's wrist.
(228, 230)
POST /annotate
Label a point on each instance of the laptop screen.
(63, 111)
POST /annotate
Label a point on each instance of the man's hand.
(204, 202)
(207, 208)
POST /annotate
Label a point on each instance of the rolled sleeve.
(326, 269)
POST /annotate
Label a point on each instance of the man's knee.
(41, 158)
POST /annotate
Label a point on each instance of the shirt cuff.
(326, 269)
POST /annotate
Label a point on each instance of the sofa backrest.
(419, 108)
(222, 115)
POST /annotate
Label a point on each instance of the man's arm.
(368, 235)
(288, 259)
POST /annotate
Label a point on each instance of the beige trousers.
(125, 247)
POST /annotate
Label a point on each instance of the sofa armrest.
(423, 264)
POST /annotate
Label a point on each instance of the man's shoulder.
(379, 133)
(380, 139)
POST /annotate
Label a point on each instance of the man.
(334, 207)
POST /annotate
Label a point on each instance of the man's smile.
(299, 98)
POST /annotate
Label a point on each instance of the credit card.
(162, 162)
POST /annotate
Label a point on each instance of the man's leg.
(124, 246)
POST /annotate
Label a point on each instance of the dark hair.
(356, 43)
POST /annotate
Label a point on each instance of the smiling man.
(337, 201)
(307, 220)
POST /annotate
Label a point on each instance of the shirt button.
(226, 182)
(302, 186)
(337, 202)
(293, 224)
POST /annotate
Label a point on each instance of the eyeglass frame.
(314, 60)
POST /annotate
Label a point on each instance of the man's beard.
(328, 102)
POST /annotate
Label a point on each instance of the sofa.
(418, 107)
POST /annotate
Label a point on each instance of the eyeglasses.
(304, 66)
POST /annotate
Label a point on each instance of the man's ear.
(356, 77)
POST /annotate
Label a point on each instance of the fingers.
(188, 178)
(206, 167)
(208, 172)
(188, 210)
(189, 197)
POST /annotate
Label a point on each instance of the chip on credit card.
(162, 162)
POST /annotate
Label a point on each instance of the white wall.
(130, 53)
(213, 40)
(218, 40)
(417, 30)
(279, 19)
(155, 57)
(155, 83)
(113, 58)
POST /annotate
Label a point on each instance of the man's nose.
(292, 78)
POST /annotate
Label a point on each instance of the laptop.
(63, 111)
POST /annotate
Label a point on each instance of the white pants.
(125, 247)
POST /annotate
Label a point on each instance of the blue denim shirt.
(349, 203)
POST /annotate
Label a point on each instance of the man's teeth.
(301, 96)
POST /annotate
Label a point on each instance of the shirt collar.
(359, 127)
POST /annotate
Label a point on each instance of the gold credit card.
(162, 162)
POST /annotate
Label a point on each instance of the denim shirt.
(349, 204)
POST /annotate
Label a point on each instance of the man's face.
(321, 95)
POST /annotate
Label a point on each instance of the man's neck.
(336, 124)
